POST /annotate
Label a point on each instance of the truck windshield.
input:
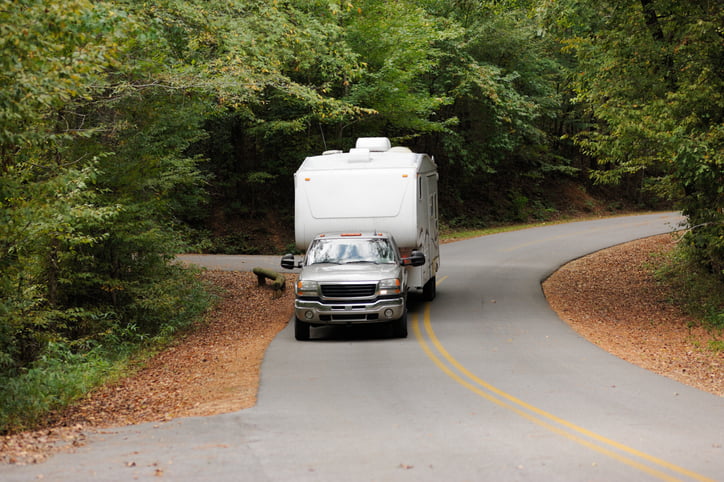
(342, 251)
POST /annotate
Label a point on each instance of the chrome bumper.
(320, 313)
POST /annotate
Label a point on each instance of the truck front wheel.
(301, 330)
(399, 327)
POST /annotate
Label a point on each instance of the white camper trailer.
(372, 188)
(377, 200)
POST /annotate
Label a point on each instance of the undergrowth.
(66, 371)
(697, 290)
(58, 377)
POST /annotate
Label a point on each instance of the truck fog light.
(309, 314)
(389, 313)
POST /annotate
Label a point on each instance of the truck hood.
(351, 272)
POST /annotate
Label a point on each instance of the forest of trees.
(127, 128)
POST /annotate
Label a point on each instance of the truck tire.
(399, 327)
(301, 330)
(429, 290)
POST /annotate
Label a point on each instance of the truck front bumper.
(329, 313)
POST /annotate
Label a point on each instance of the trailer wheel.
(429, 290)
(399, 327)
(301, 330)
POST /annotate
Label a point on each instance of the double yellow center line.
(450, 366)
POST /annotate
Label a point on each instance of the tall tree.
(650, 73)
(44, 191)
(93, 173)
(502, 85)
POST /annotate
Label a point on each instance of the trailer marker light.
(307, 178)
(404, 175)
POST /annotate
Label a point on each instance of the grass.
(698, 291)
(57, 378)
(449, 234)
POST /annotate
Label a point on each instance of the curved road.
(490, 385)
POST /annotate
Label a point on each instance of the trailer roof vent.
(359, 155)
(373, 144)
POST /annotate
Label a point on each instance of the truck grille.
(348, 290)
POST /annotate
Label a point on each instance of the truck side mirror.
(417, 258)
(288, 261)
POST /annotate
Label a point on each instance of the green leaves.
(650, 74)
(93, 175)
(398, 42)
(59, 49)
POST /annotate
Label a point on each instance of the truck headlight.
(307, 288)
(390, 286)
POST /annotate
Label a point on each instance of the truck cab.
(352, 278)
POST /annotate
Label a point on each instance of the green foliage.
(399, 44)
(58, 50)
(65, 369)
(695, 288)
(503, 85)
(477, 99)
(58, 377)
(650, 75)
(93, 179)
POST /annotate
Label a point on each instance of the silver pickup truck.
(351, 278)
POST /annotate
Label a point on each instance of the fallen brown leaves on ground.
(214, 369)
(608, 297)
(612, 299)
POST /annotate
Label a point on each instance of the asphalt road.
(490, 386)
